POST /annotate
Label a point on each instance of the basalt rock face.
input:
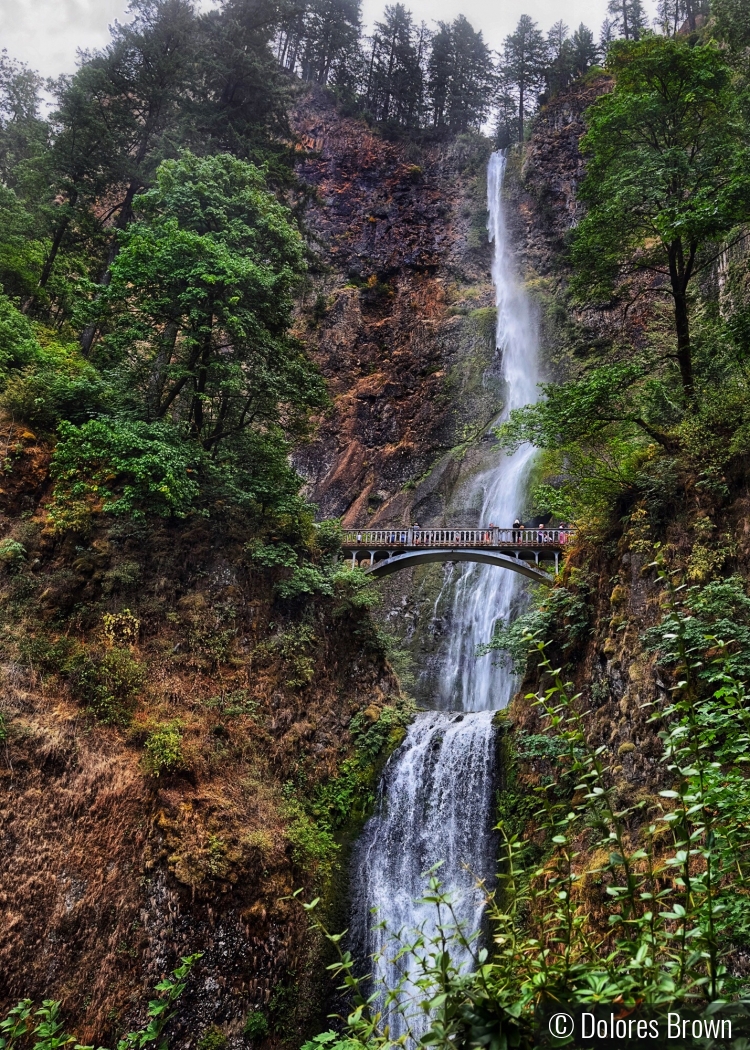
(400, 316)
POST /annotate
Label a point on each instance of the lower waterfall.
(436, 799)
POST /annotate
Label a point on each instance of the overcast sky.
(47, 33)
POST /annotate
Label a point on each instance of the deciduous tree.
(668, 175)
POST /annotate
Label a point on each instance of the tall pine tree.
(524, 61)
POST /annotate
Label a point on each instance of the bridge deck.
(494, 539)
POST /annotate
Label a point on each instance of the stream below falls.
(436, 796)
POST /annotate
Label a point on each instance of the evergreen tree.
(330, 36)
(628, 18)
(670, 15)
(585, 53)
(238, 98)
(607, 35)
(23, 133)
(395, 76)
(559, 72)
(732, 18)
(117, 117)
(523, 66)
(460, 76)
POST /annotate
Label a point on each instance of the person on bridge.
(517, 526)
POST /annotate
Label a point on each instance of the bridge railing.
(494, 537)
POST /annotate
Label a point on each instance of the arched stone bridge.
(384, 551)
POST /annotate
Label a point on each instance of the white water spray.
(436, 796)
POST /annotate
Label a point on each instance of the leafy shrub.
(108, 683)
(718, 611)
(255, 1025)
(12, 553)
(305, 580)
(332, 1041)
(329, 535)
(164, 749)
(122, 468)
(18, 344)
(60, 385)
(213, 1039)
(121, 627)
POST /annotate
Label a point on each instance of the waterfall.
(483, 595)
(436, 795)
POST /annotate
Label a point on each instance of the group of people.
(544, 534)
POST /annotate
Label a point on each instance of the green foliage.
(18, 344)
(305, 580)
(350, 795)
(314, 847)
(12, 553)
(711, 616)
(59, 385)
(561, 617)
(347, 798)
(213, 1039)
(328, 536)
(732, 22)
(199, 302)
(667, 174)
(25, 1028)
(332, 1041)
(121, 468)
(164, 749)
(255, 1026)
(107, 682)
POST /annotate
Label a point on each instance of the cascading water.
(483, 595)
(436, 795)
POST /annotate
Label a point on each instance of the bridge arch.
(386, 566)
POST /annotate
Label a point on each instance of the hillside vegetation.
(196, 702)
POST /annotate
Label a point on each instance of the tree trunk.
(684, 352)
(57, 240)
(680, 272)
(520, 109)
(126, 214)
(159, 374)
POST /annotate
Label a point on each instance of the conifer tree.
(560, 69)
(584, 50)
(523, 65)
(395, 76)
(629, 18)
(460, 76)
(330, 35)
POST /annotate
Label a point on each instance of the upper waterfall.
(481, 595)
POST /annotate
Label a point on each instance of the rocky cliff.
(400, 314)
(166, 724)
